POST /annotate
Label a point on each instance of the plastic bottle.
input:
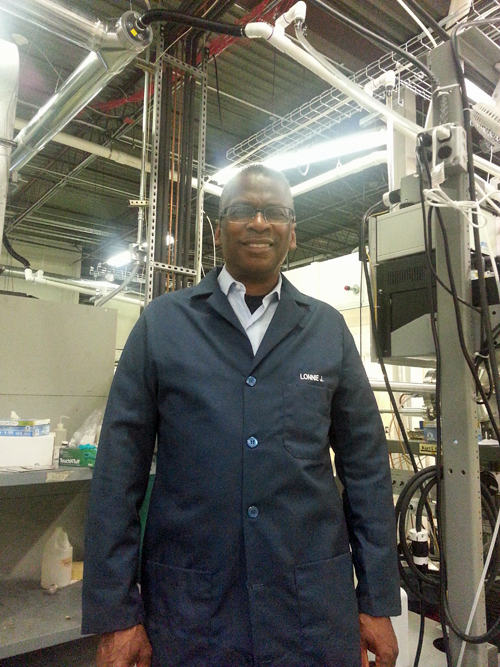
(59, 437)
(57, 560)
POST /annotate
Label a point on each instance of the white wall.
(65, 262)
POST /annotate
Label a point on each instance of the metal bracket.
(138, 202)
(179, 64)
(170, 268)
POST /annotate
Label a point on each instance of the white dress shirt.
(255, 324)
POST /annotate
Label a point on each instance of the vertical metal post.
(141, 214)
(153, 183)
(202, 133)
(462, 493)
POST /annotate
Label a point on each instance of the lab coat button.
(253, 512)
(252, 442)
(251, 381)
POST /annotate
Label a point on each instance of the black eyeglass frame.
(223, 214)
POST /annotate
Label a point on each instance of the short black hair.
(258, 169)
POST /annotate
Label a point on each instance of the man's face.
(254, 251)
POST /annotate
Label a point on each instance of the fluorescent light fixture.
(477, 94)
(348, 145)
(121, 259)
(170, 240)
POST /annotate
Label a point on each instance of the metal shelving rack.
(30, 618)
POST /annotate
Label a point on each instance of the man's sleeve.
(362, 463)
(111, 599)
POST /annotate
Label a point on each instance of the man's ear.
(217, 235)
(293, 239)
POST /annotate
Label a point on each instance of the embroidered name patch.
(311, 377)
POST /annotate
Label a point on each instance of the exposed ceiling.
(68, 197)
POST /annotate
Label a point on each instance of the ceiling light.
(353, 143)
(121, 259)
(347, 145)
(170, 239)
(476, 93)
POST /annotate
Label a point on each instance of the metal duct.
(9, 76)
(118, 48)
(59, 20)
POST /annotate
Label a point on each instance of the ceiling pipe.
(59, 20)
(118, 48)
(109, 153)
(353, 167)
(9, 76)
(68, 284)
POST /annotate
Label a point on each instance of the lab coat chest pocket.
(327, 603)
(306, 420)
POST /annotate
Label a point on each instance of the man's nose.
(258, 221)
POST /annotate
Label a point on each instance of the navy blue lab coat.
(246, 557)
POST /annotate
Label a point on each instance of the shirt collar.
(226, 282)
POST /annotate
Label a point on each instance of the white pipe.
(405, 387)
(37, 278)
(109, 153)
(279, 40)
(295, 13)
(418, 22)
(352, 167)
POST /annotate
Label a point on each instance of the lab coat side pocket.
(328, 610)
(179, 607)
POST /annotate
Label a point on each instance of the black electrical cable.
(165, 15)
(472, 193)
(458, 314)
(421, 632)
(14, 254)
(446, 614)
(427, 17)
(358, 27)
(425, 480)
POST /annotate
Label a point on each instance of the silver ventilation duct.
(9, 75)
(118, 46)
(59, 20)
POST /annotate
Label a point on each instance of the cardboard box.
(23, 422)
(28, 431)
(80, 458)
(26, 451)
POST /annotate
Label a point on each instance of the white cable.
(417, 20)
(480, 587)
(437, 198)
(213, 238)
(487, 198)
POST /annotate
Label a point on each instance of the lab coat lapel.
(288, 315)
(217, 300)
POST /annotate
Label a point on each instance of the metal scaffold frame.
(161, 173)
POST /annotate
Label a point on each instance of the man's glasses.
(244, 213)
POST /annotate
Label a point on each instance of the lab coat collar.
(292, 310)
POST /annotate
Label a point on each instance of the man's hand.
(125, 648)
(378, 637)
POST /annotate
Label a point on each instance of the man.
(245, 383)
